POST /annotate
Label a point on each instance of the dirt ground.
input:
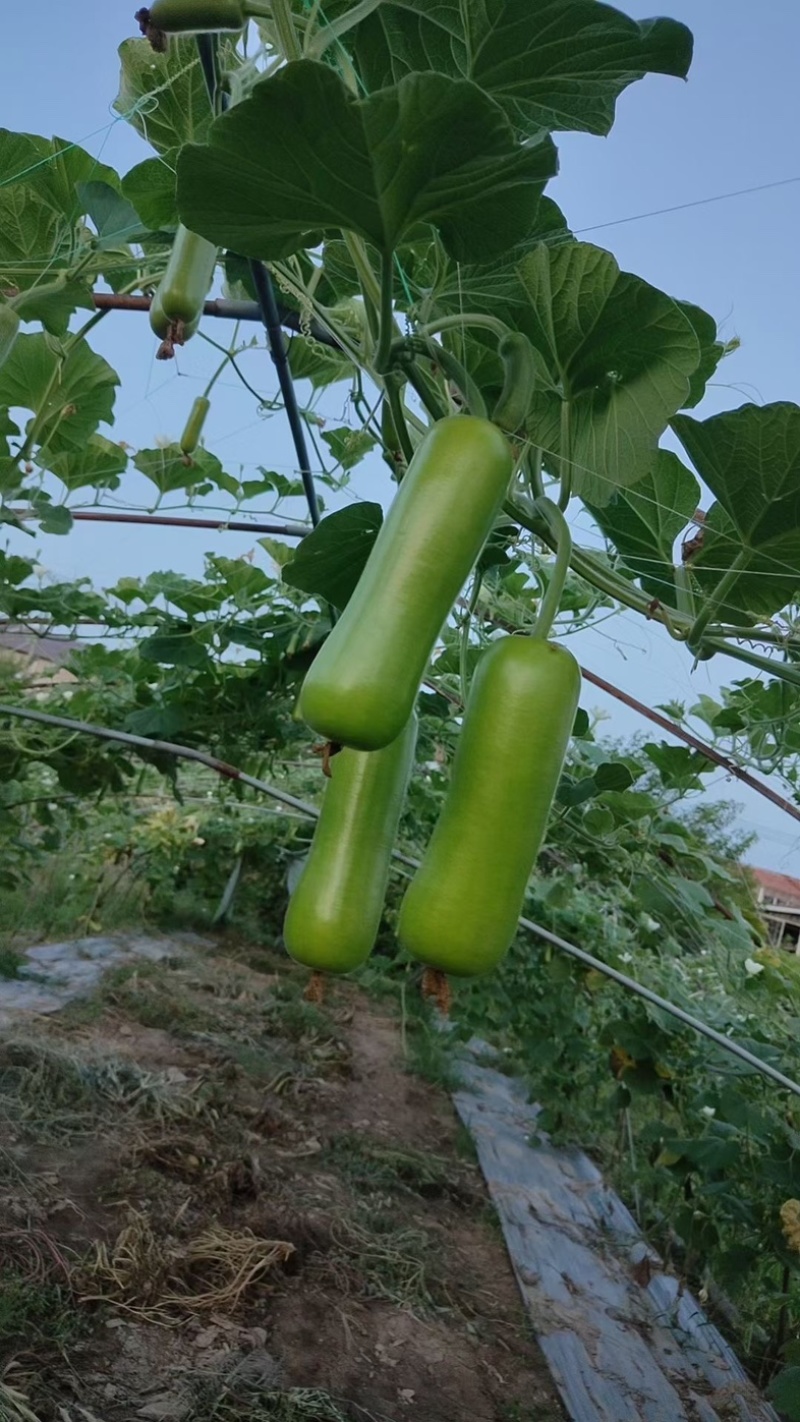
(220, 1201)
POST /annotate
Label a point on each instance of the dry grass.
(158, 1279)
(14, 1406)
(369, 1257)
(56, 1092)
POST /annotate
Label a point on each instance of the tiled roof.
(779, 886)
(47, 649)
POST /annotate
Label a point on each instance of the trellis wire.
(283, 797)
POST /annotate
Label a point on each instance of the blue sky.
(733, 125)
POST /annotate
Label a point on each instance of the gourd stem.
(565, 461)
(463, 649)
(370, 286)
(217, 373)
(383, 355)
(551, 602)
(717, 599)
(284, 24)
(398, 418)
(533, 469)
(460, 376)
(336, 28)
(468, 318)
(426, 392)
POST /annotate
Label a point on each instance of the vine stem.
(717, 599)
(334, 29)
(398, 418)
(469, 318)
(230, 772)
(784, 671)
(460, 376)
(463, 649)
(383, 355)
(533, 469)
(370, 286)
(604, 579)
(551, 602)
(284, 25)
(565, 461)
(429, 396)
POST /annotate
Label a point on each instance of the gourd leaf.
(750, 460)
(150, 187)
(644, 521)
(330, 561)
(553, 64)
(98, 464)
(302, 157)
(163, 96)
(74, 405)
(616, 356)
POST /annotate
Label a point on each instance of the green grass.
(40, 1315)
(143, 991)
(371, 1165)
(68, 895)
(429, 1054)
(10, 963)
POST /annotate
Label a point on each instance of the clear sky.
(733, 125)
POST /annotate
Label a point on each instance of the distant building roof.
(57, 650)
(779, 886)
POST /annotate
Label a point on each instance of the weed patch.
(375, 1166)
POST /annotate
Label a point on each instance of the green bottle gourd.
(334, 913)
(193, 16)
(184, 286)
(193, 428)
(460, 912)
(363, 684)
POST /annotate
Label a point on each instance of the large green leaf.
(750, 460)
(41, 201)
(644, 521)
(711, 351)
(784, 1391)
(150, 187)
(330, 561)
(678, 765)
(310, 360)
(552, 64)
(97, 464)
(169, 468)
(80, 396)
(53, 308)
(616, 355)
(116, 220)
(163, 95)
(302, 156)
